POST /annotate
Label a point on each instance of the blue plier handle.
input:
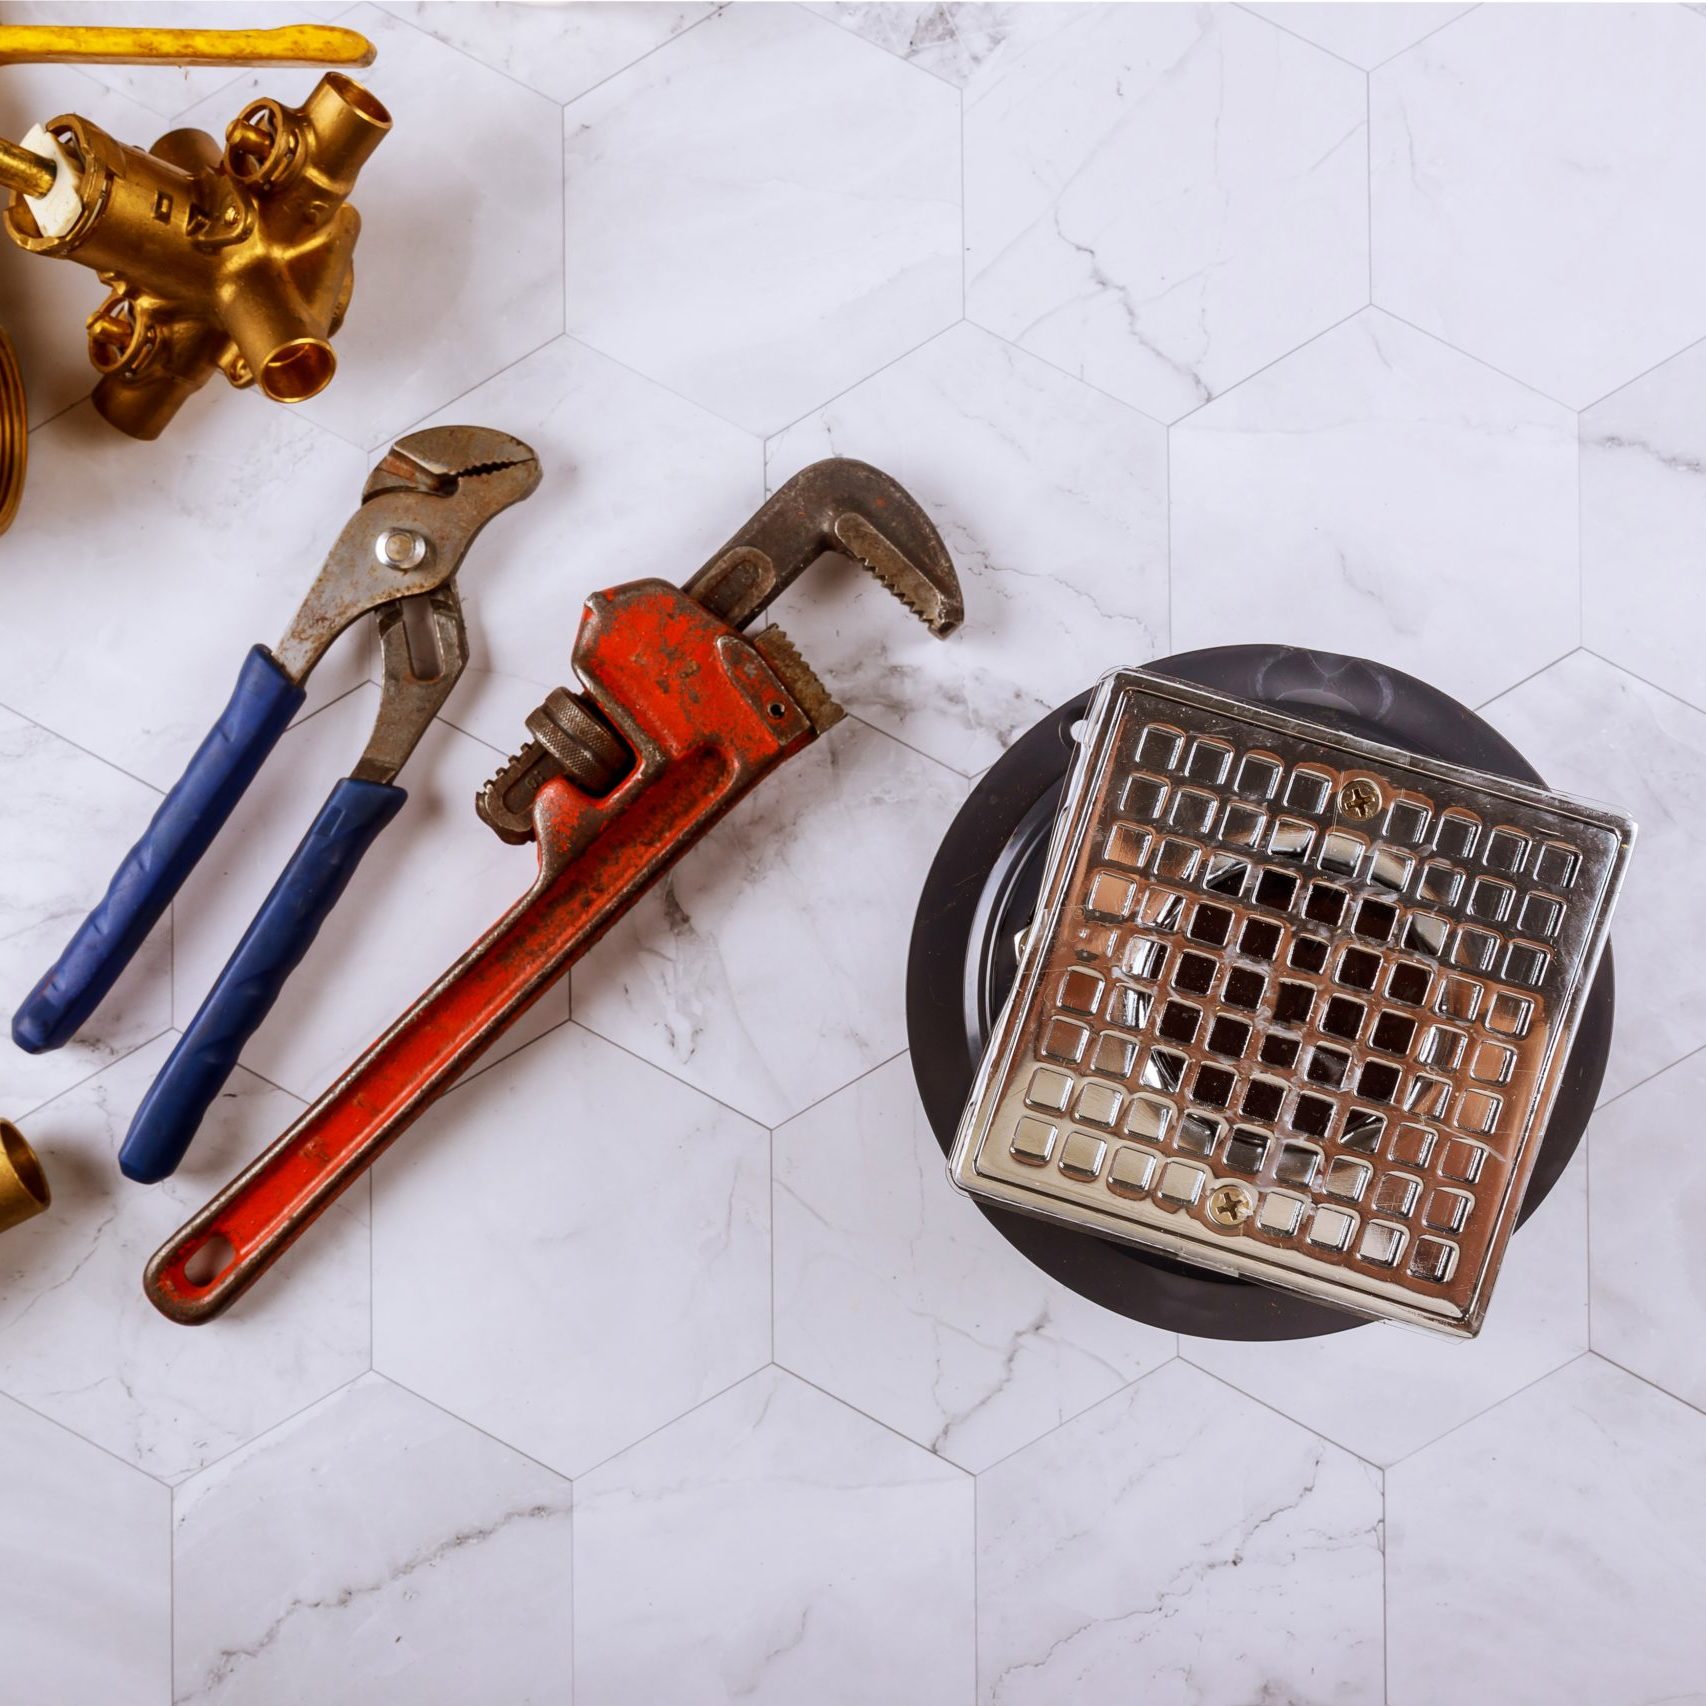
(397, 557)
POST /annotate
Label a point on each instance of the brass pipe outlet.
(23, 1185)
(239, 259)
(27, 173)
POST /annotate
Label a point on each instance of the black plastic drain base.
(982, 890)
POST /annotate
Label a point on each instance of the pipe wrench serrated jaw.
(839, 507)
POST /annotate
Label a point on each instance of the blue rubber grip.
(264, 701)
(289, 919)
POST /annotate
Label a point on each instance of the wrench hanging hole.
(777, 710)
(208, 1261)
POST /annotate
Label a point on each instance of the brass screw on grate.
(1229, 1205)
(1359, 799)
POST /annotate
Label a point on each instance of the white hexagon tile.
(86, 1546)
(954, 41)
(1643, 517)
(1365, 35)
(1379, 329)
(80, 1343)
(1533, 198)
(773, 1546)
(1379, 494)
(1182, 1535)
(1650, 1270)
(562, 51)
(634, 1217)
(137, 576)
(1118, 228)
(1053, 501)
(891, 1294)
(67, 820)
(342, 1557)
(789, 243)
(1570, 1511)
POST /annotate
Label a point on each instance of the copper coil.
(14, 433)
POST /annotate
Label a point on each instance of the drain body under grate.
(1294, 1005)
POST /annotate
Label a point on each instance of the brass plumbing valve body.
(240, 259)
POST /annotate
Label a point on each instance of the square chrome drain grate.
(1294, 1005)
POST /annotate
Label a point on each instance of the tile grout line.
(770, 1239)
(1650, 1384)
(883, 47)
(1287, 30)
(383, 443)
(1581, 556)
(1191, 414)
(1533, 675)
(83, 1439)
(1642, 1083)
(1385, 1595)
(1119, 1391)
(171, 1595)
(93, 1073)
(829, 402)
(1488, 1409)
(1368, 175)
(88, 752)
(1635, 675)
(1318, 1433)
(652, 1433)
(1429, 36)
(271, 1428)
(408, 23)
(1479, 360)
(1645, 373)
(465, 1421)
(889, 1428)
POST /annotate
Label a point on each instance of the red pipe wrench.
(679, 717)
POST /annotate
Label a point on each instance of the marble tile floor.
(659, 1365)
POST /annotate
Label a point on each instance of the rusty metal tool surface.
(679, 716)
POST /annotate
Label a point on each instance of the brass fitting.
(238, 259)
(23, 1185)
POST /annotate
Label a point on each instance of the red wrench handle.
(708, 719)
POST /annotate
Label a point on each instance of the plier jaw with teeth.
(397, 557)
(680, 715)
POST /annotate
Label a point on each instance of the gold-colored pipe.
(75, 44)
(23, 1185)
(26, 172)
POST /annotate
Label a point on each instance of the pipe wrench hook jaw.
(840, 506)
